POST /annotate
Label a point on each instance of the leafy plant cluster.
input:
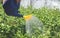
(14, 27)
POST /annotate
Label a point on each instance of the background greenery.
(14, 27)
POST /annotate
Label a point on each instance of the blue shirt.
(11, 8)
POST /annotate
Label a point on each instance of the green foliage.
(14, 27)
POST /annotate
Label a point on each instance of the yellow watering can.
(27, 17)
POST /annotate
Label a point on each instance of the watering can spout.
(27, 17)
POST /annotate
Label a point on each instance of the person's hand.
(18, 1)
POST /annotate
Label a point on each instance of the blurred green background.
(14, 27)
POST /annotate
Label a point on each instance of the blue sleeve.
(11, 8)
